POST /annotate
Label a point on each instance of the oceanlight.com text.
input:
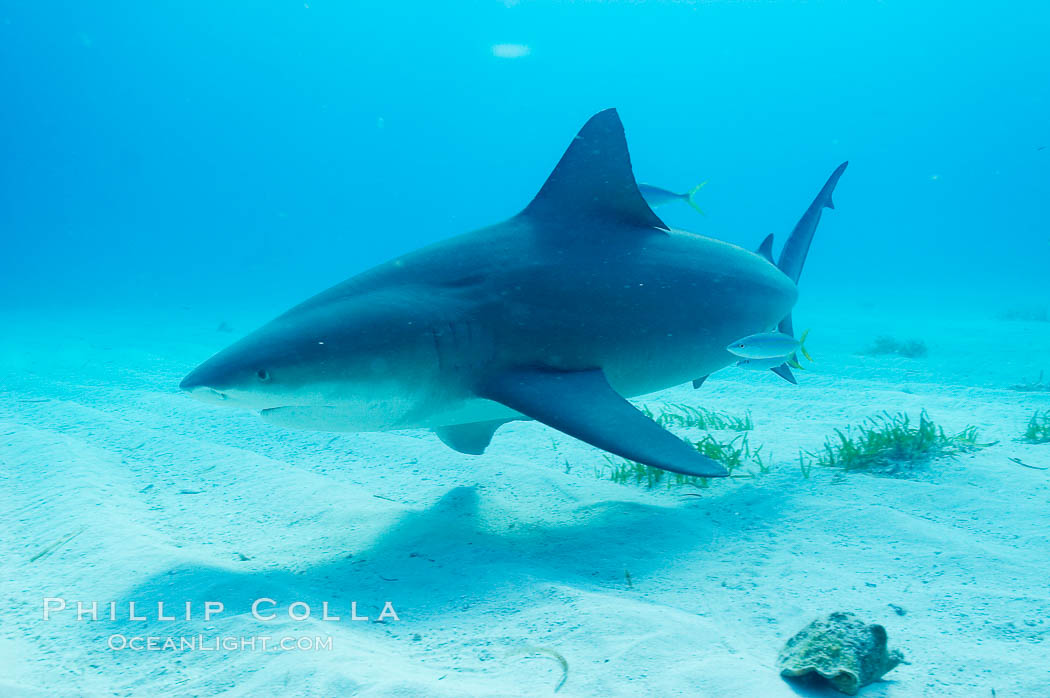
(202, 643)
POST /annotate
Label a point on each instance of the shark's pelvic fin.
(766, 248)
(697, 382)
(784, 372)
(472, 438)
(584, 405)
(593, 185)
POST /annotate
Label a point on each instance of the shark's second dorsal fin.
(593, 184)
(766, 248)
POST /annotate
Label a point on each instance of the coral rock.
(841, 648)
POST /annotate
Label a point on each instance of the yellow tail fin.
(802, 346)
(689, 197)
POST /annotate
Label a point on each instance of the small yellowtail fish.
(655, 196)
(769, 345)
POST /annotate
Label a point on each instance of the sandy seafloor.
(482, 557)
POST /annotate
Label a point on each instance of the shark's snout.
(240, 375)
(199, 383)
(191, 382)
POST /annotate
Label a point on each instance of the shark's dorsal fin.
(766, 248)
(593, 184)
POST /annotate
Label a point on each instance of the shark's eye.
(263, 375)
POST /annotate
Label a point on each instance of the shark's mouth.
(317, 417)
(277, 411)
(206, 394)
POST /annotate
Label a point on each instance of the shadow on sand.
(456, 553)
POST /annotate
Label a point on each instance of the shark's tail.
(691, 201)
(793, 255)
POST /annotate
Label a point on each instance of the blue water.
(196, 151)
(173, 174)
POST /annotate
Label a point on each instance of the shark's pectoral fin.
(697, 382)
(472, 438)
(584, 405)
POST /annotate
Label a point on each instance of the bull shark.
(557, 314)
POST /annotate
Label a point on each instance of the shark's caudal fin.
(593, 187)
(584, 405)
(793, 256)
